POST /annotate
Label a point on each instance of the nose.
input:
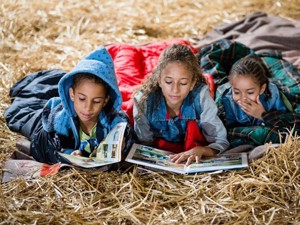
(175, 88)
(242, 96)
(88, 105)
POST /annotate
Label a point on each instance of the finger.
(244, 104)
(172, 156)
(197, 159)
(244, 108)
(189, 160)
(245, 101)
(175, 157)
(183, 157)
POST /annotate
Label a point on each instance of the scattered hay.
(37, 35)
(268, 193)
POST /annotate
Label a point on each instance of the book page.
(219, 162)
(159, 159)
(109, 150)
(153, 157)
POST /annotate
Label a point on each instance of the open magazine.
(28, 169)
(159, 159)
(109, 150)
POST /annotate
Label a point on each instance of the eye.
(81, 99)
(168, 82)
(183, 84)
(98, 100)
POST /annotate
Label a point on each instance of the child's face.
(245, 89)
(89, 98)
(176, 82)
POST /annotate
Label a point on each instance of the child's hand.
(194, 154)
(252, 108)
(77, 153)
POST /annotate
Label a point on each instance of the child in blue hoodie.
(88, 107)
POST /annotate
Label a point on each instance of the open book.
(108, 151)
(159, 159)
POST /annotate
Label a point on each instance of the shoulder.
(112, 118)
(273, 88)
(53, 102)
(223, 89)
(275, 93)
(200, 89)
(149, 99)
(138, 95)
(55, 117)
(223, 92)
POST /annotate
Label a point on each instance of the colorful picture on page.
(154, 156)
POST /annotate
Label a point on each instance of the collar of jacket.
(159, 112)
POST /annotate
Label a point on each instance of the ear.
(263, 88)
(71, 93)
(193, 85)
(106, 101)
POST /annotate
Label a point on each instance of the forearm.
(213, 128)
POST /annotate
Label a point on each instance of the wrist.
(207, 151)
(263, 114)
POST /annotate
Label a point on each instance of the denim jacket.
(151, 122)
(236, 116)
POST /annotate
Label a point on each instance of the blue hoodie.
(59, 116)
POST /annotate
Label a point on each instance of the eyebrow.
(249, 89)
(93, 98)
(179, 79)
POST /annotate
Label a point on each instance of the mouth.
(85, 115)
(174, 97)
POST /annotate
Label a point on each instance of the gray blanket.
(260, 31)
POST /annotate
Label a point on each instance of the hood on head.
(99, 63)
